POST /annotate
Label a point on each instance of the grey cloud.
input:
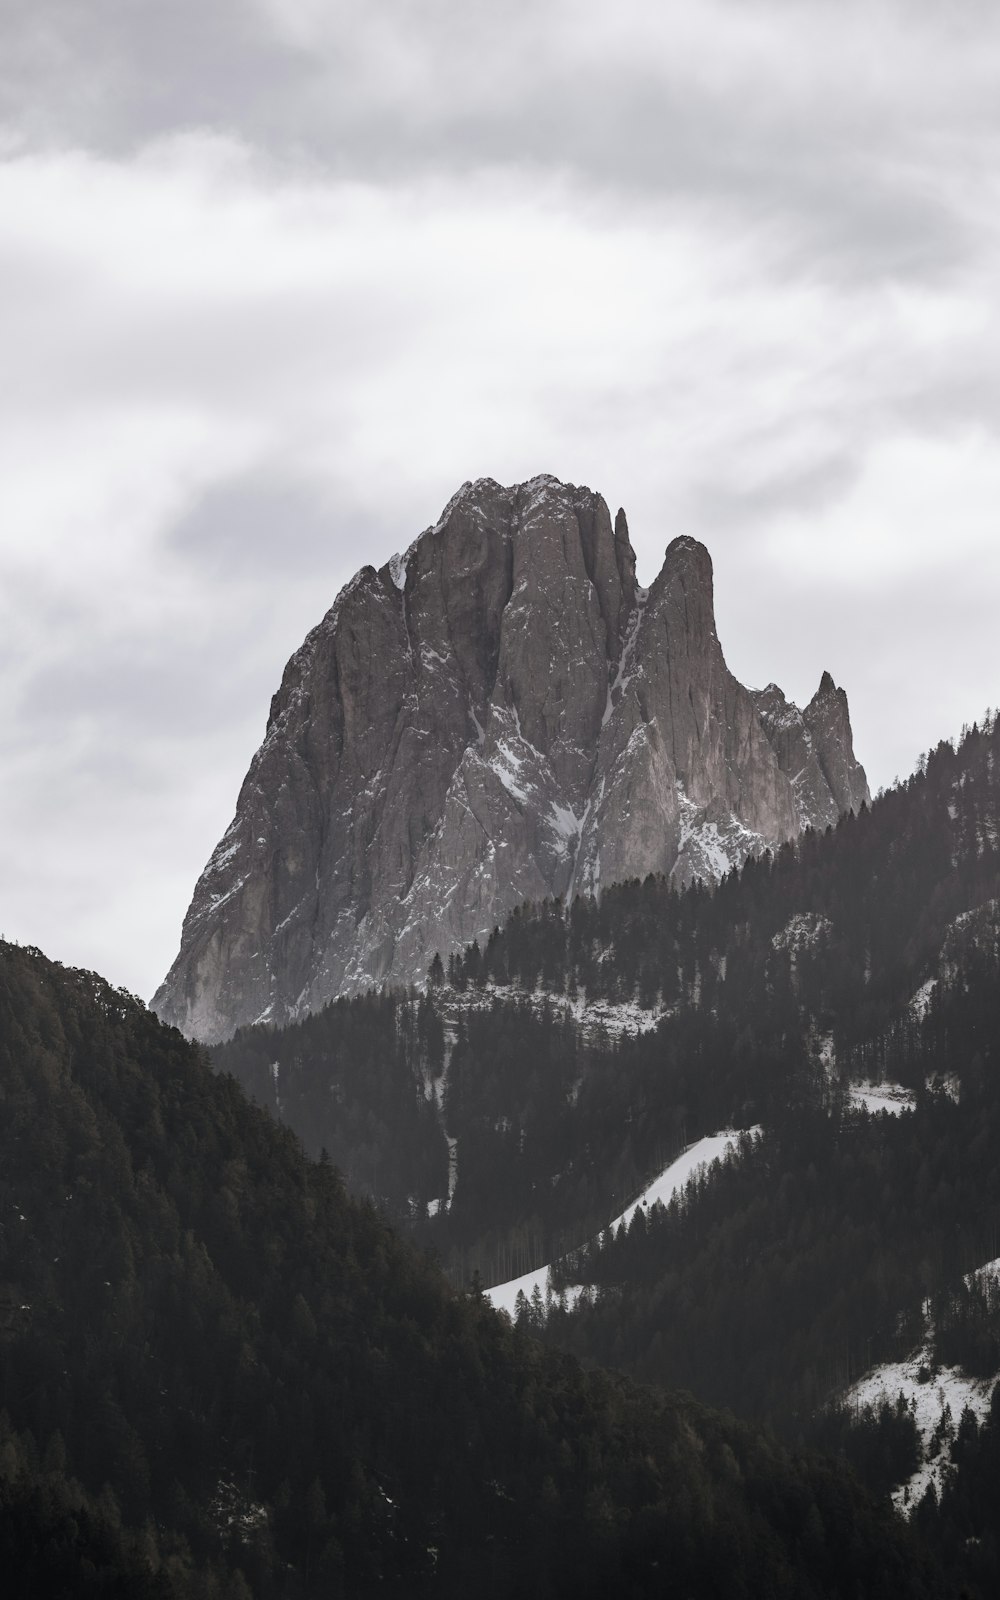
(114, 73)
(722, 505)
(967, 394)
(367, 404)
(260, 527)
(841, 172)
(115, 693)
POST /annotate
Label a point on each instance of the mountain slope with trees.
(870, 952)
(792, 978)
(240, 1380)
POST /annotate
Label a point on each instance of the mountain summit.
(501, 714)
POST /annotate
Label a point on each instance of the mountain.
(222, 1377)
(500, 715)
(841, 994)
(583, 1046)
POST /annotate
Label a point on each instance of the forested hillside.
(221, 1375)
(789, 980)
(353, 1079)
(810, 1256)
(870, 952)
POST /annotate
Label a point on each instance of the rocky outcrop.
(815, 750)
(501, 714)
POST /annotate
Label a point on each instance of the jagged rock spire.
(501, 714)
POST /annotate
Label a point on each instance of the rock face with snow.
(815, 750)
(500, 715)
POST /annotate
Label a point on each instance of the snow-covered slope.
(616, 1019)
(936, 1396)
(886, 1096)
(700, 1155)
(696, 1158)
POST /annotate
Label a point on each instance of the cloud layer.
(276, 277)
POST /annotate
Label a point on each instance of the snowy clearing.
(804, 931)
(714, 1147)
(989, 1269)
(927, 1397)
(891, 1097)
(504, 1295)
(698, 1156)
(614, 1017)
(928, 1392)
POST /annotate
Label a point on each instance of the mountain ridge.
(224, 1377)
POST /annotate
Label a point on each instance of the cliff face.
(501, 714)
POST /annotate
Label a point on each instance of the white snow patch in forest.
(891, 1097)
(801, 932)
(928, 1391)
(947, 1083)
(922, 999)
(697, 1157)
(503, 1296)
(927, 1397)
(989, 1269)
(615, 1017)
(233, 1509)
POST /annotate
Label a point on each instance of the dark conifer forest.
(769, 996)
(221, 1375)
(837, 1238)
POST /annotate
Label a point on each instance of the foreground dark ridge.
(208, 1348)
(502, 714)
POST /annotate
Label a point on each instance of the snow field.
(928, 1392)
(891, 1097)
(927, 1398)
(697, 1157)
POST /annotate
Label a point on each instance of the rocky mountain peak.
(685, 554)
(828, 720)
(499, 714)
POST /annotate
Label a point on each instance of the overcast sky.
(276, 276)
